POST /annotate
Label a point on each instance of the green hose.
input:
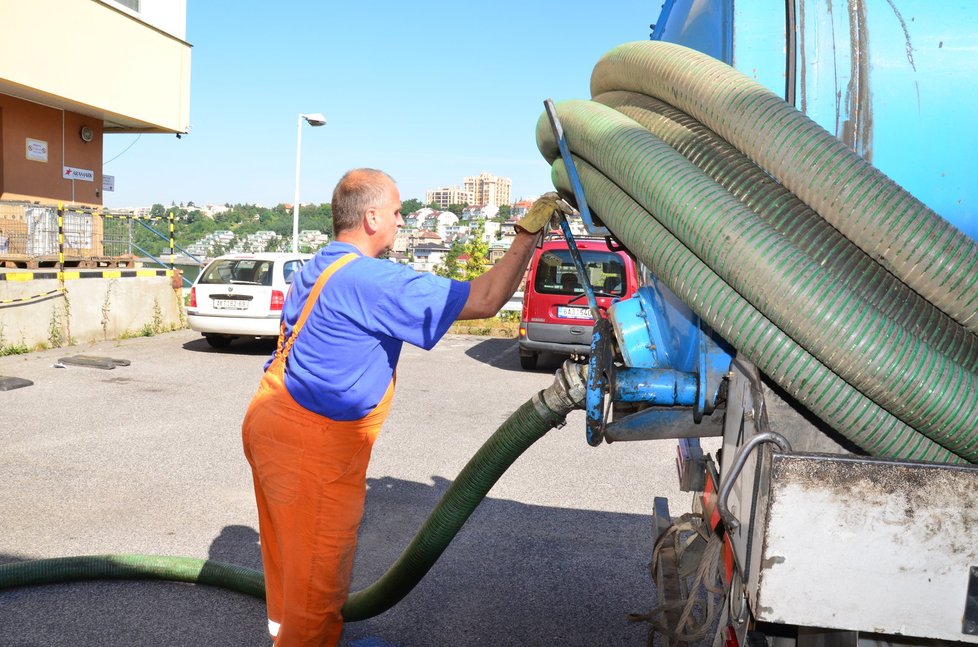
(800, 224)
(919, 247)
(811, 382)
(860, 324)
(882, 359)
(525, 426)
(132, 567)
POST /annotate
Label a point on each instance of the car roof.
(582, 242)
(263, 256)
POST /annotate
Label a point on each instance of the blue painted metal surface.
(669, 361)
(656, 330)
(703, 26)
(890, 78)
(596, 398)
(655, 386)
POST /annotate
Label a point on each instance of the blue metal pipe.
(655, 386)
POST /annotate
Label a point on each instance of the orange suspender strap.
(284, 348)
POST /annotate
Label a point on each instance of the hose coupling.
(568, 390)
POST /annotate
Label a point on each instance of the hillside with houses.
(430, 236)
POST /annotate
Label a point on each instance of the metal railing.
(36, 236)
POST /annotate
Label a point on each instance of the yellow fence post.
(171, 241)
(61, 246)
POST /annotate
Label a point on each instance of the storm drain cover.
(93, 361)
(11, 383)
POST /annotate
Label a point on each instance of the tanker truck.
(796, 180)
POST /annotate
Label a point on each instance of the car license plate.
(230, 304)
(568, 312)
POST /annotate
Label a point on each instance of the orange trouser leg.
(310, 484)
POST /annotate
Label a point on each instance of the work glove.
(540, 214)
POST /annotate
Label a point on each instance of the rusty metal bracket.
(970, 624)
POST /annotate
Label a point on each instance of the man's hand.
(540, 214)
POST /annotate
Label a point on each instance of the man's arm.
(490, 291)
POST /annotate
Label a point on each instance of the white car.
(241, 295)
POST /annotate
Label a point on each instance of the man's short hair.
(356, 192)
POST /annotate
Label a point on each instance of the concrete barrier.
(95, 305)
(515, 303)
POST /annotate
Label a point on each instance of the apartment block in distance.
(447, 196)
(74, 71)
(487, 189)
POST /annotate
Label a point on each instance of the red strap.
(286, 347)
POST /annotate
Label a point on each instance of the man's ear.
(370, 220)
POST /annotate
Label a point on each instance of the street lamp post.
(314, 119)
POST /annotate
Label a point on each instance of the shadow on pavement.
(239, 346)
(146, 613)
(237, 545)
(504, 354)
(516, 574)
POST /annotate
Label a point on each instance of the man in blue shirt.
(325, 393)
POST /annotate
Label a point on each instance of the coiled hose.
(525, 426)
(925, 251)
(885, 369)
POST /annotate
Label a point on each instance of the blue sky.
(428, 91)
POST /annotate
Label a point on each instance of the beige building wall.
(98, 59)
(488, 189)
(75, 70)
(447, 196)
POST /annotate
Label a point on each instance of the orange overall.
(310, 483)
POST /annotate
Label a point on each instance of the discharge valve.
(654, 361)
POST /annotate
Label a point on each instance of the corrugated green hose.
(811, 382)
(859, 323)
(882, 359)
(521, 430)
(132, 567)
(919, 247)
(524, 427)
(798, 222)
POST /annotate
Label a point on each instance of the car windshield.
(556, 273)
(248, 271)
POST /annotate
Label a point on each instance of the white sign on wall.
(108, 182)
(37, 150)
(72, 173)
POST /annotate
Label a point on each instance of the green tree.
(228, 218)
(478, 250)
(320, 218)
(157, 211)
(505, 211)
(457, 208)
(410, 206)
(449, 268)
(433, 205)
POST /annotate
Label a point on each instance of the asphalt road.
(146, 459)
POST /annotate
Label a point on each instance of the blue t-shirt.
(345, 355)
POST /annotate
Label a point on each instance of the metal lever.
(575, 180)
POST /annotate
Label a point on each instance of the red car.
(556, 316)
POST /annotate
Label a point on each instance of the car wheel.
(528, 360)
(218, 341)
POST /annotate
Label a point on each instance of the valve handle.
(599, 366)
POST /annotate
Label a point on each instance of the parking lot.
(146, 459)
